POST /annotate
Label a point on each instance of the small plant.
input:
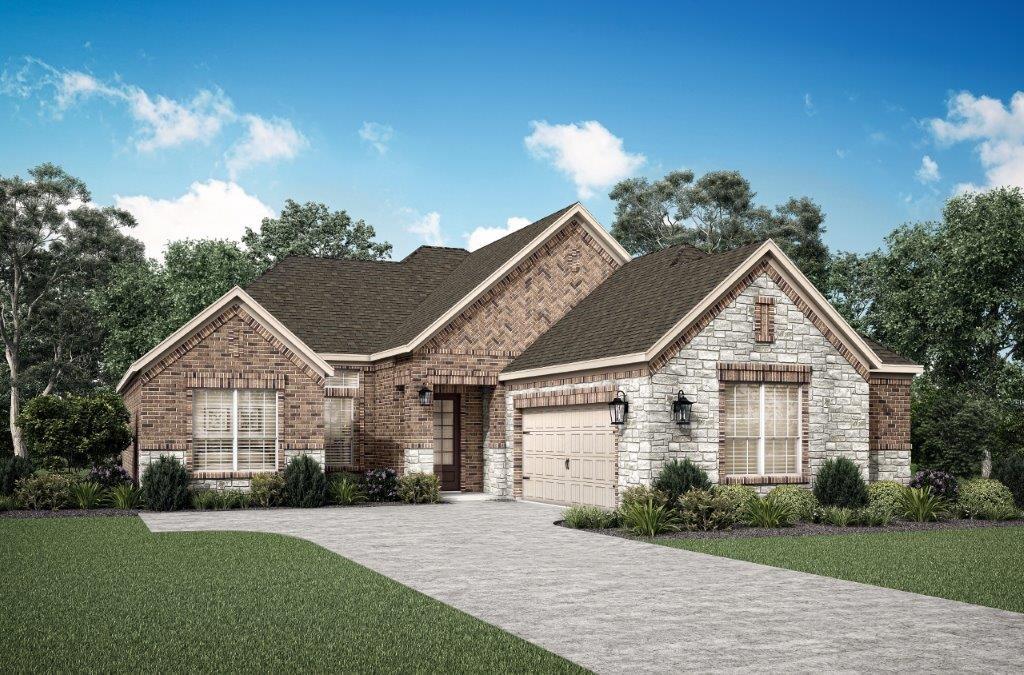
(46, 490)
(587, 518)
(381, 485)
(886, 495)
(708, 510)
(419, 488)
(7, 503)
(305, 484)
(639, 494)
(801, 500)
(204, 499)
(1010, 472)
(267, 489)
(13, 469)
(768, 512)
(676, 478)
(647, 519)
(87, 495)
(941, 484)
(165, 484)
(345, 492)
(125, 496)
(108, 475)
(837, 516)
(876, 515)
(920, 505)
(839, 483)
(985, 499)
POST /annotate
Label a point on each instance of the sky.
(450, 124)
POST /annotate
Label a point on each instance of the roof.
(888, 356)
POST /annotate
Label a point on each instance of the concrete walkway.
(614, 605)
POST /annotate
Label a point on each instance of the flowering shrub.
(108, 475)
(942, 484)
(381, 485)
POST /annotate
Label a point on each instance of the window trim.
(761, 476)
(234, 434)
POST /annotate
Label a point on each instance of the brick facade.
(889, 427)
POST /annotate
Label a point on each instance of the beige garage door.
(569, 455)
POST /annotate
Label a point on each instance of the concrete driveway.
(614, 605)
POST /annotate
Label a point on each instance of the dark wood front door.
(447, 441)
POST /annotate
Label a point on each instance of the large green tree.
(55, 250)
(715, 212)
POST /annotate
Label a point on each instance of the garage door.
(569, 455)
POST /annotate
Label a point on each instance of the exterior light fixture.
(618, 408)
(426, 396)
(681, 408)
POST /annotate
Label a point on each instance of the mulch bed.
(811, 529)
(68, 513)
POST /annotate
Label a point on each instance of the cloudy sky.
(454, 125)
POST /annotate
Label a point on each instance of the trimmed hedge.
(165, 485)
(886, 496)
(419, 488)
(677, 478)
(839, 483)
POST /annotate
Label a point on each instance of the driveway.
(615, 605)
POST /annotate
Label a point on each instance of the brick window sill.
(774, 479)
(225, 475)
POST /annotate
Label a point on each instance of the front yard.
(983, 566)
(105, 594)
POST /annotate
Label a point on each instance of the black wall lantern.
(426, 396)
(681, 408)
(618, 408)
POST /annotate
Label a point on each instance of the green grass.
(982, 566)
(104, 594)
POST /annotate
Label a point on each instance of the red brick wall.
(889, 412)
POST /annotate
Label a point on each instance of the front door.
(447, 444)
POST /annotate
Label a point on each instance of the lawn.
(984, 566)
(105, 594)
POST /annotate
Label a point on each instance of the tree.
(53, 253)
(79, 431)
(312, 229)
(715, 212)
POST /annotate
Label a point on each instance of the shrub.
(125, 496)
(204, 499)
(639, 494)
(587, 518)
(13, 469)
(79, 430)
(836, 515)
(801, 500)
(985, 499)
(267, 489)
(736, 495)
(305, 484)
(7, 503)
(676, 478)
(87, 495)
(344, 491)
(708, 510)
(165, 484)
(920, 505)
(941, 484)
(839, 483)
(381, 485)
(886, 495)
(873, 515)
(1010, 472)
(46, 490)
(648, 519)
(419, 488)
(108, 475)
(768, 512)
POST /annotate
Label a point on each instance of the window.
(343, 378)
(762, 429)
(339, 438)
(234, 429)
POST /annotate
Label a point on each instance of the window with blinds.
(234, 429)
(339, 435)
(762, 429)
(347, 379)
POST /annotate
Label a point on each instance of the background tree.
(54, 251)
(76, 431)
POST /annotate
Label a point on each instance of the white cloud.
(428, 227)
(378, 135)
(998, 130)
(265, 141)
(587, 153)
(165, 123)
(809, 105)
(928, 171)
(841, 153)
(211, 210)
(482, 236)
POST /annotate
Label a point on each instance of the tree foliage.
(77, 431)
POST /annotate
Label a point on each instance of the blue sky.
(202, 117)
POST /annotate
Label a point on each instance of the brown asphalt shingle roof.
(888, 356)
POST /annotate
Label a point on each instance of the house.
(496, 369)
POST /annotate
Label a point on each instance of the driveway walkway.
(614, 605)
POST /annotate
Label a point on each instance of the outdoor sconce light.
(426, 396)
(618, 408)
(681, 408)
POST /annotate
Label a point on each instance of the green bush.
(986, 499)
(837, 516)
(839, 483)
(345, 491)
(8, 503)
(418, 487)
(801, 500)
(165, 484)
(77, 430)
(708, 510)
(46, 490)
(13, 469)
(305, 485)
(267, 489)
(204, 499)
(873, 515)
(886, 495)
(641, 494)
(587, 518)
(1009, 471)
(124, 496)
(920, 505)
(87, 495)
(676, 478)
(768, 512)
(648, 519)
